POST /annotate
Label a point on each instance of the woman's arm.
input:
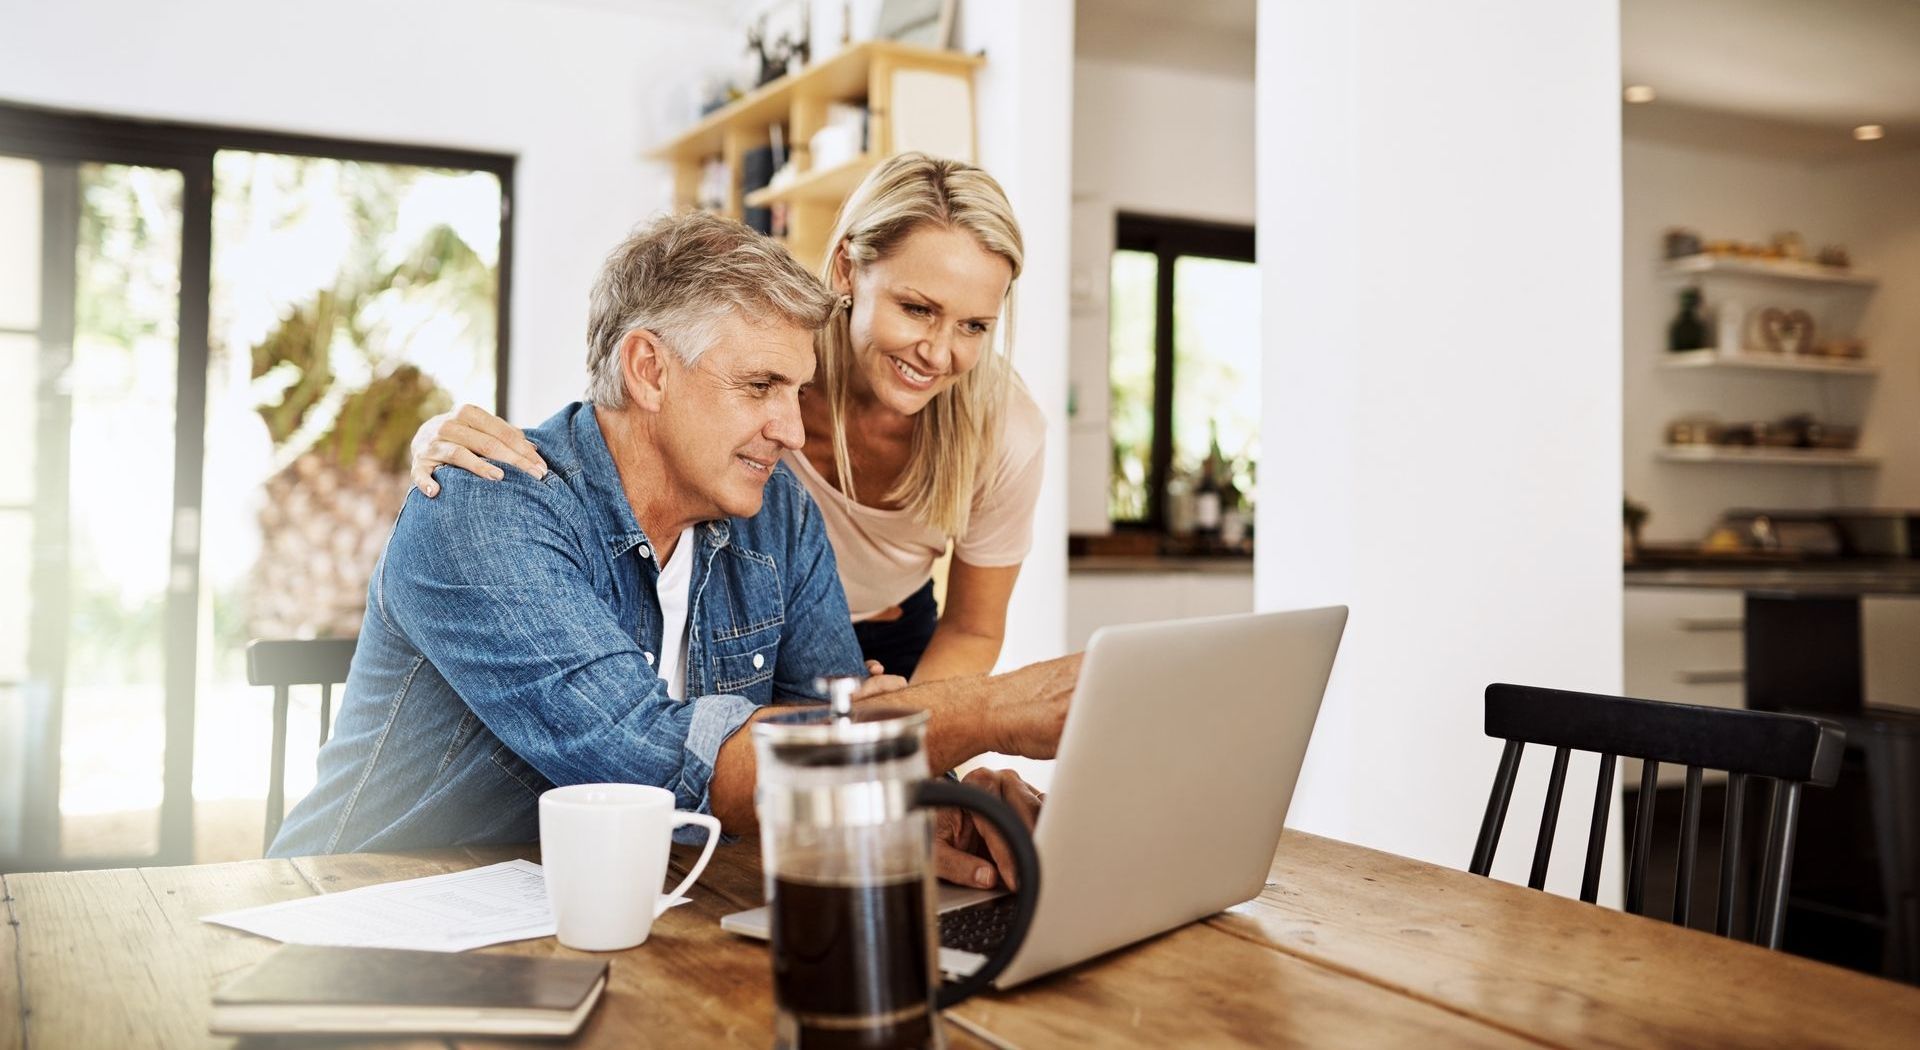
(973, 625)
(461, 438)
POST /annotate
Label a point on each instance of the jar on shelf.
(1688, 331)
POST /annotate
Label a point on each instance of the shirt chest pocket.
(743, 660)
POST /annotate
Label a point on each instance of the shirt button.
(646, 551)
(759, 661)
(649, 657)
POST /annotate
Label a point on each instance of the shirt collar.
(602, 478)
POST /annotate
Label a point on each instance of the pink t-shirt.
(886, 555)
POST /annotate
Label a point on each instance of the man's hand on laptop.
(969, 852)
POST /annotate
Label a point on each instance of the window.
(1183, 364)
(217, 343)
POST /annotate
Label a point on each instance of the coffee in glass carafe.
(846, 836)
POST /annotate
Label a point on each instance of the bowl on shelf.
(1789, 433)
(1694, 430)
(1833, 436)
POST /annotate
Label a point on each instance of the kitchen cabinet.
(1108, 598)
(1684, 646)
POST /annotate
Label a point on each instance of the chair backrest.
(283, 664)
(1786, 750)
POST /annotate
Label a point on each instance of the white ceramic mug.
(603, 848)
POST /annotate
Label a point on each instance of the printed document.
(441, 913)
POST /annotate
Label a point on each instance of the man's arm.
(494, 587)
(1017, 713)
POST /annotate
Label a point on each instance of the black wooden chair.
(1788, 750)
(282, 665)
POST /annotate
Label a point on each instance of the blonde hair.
(679, 277)
(954, 436)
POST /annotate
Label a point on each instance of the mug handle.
(1026, 863)
(681, 819)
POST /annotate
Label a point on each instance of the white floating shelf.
(1757, 361)
(1773, 269)
(1789, 457)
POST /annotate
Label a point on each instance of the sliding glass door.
(93, 326)
(213, 345)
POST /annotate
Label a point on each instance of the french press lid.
(816, 736)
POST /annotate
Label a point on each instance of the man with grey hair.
(621, 617)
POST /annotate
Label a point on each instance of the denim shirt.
(509, 644)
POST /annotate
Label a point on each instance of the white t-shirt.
(676, 580)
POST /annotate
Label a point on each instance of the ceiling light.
(1869, 132)
(1638, 93)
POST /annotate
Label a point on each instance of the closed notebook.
(303, 988)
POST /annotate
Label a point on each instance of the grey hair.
(679, 277)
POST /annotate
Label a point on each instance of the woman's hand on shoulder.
(466, 438)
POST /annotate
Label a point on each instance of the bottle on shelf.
(1233, 513)
(1209, 493)
(1688, 331)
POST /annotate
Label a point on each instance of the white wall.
(1024, 120)
(1152, 140)
(1439, 214)
(1882, 226)
(576, 92)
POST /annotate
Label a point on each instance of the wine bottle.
(1207, 495)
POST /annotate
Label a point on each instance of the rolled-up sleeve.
(496, 589)
(715, 718)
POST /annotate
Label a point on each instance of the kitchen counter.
(1836, 578)
(1221, 564)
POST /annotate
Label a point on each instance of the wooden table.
(1346, 947)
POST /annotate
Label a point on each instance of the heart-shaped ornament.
(1785, 331)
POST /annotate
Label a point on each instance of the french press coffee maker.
(846, 838)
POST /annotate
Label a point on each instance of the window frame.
(1167, 239)
(63, 140)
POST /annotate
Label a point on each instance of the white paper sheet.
(440, 913)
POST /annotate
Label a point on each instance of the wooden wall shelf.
(830, 186)
(860, 74)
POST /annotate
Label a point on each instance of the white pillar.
(1439, 224)
(1024, 119)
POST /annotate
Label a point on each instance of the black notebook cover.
(305, 975)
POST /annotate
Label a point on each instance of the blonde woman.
(918, 433)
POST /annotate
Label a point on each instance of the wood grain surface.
(1347, 947)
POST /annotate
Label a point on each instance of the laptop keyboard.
(978, 928)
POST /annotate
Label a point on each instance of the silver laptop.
(1175, 769)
